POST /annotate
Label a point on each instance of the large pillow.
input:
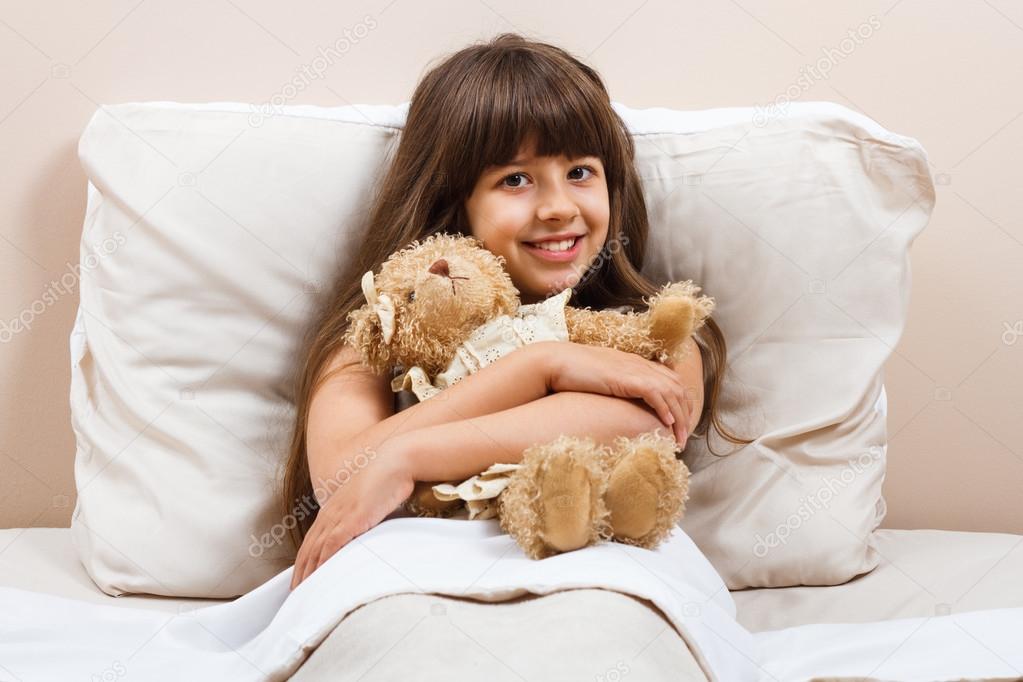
(799, 226)
(211, 231)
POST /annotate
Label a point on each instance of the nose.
(557, 205)
(440, 267)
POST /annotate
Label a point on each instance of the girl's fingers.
(669, 374)
(320, 557)
(656, 401)
(680, 403)
(310, 545)
(300, 563)
(666, 371)
(331, 546)
(296, 576)
(681, 420)
(669, 401)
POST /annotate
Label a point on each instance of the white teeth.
(563, 245)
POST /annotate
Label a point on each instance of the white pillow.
(189, 327)
(209, 233)
(800, 230)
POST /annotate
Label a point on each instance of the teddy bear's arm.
(610, 329)
(660, 332)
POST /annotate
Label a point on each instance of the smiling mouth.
(556, 246)
(567, 250)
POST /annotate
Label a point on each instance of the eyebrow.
(514, 162)
(523, 161)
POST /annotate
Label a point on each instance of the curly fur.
(701, 308)
(438, 305)
(520, 504)
(658, 333)
(704, 304)
(672, 482)
(445, 310)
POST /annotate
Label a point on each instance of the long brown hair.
(469, 112)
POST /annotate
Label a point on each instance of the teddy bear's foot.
(554, 502)
(566, 509)
(422, 502)
(646, 490)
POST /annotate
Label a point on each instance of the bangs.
(519, 100)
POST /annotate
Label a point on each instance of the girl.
(514, 142)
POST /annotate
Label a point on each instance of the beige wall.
(946, 72)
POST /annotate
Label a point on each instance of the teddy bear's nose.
(440, 267)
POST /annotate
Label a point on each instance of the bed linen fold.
(269, 632)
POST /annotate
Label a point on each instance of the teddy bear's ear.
(382, 306)
(364, 335)
(384, 310)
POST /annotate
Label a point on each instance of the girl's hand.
(377, 482)
(608, 371)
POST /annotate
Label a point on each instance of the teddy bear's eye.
(411, 295)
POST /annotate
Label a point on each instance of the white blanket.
(267, 633)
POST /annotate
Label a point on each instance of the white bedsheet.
(973, 645)
(267, 634)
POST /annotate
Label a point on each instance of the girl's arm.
(459, 449)
(367, 402)
(456, 449)
(619, 381)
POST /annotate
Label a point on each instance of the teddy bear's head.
(427, 299)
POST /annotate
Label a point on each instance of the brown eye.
(589, 169)
(411, 296)
(513, 175)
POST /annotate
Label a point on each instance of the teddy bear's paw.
(672, 318)
(703, 306)
(554, 502)
(646, 490)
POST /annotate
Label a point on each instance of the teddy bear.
(442, 308)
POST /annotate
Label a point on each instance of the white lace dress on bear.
(533, 322)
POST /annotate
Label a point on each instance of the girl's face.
(555, 201)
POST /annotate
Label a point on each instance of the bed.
(185, 201)
(923, 573)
